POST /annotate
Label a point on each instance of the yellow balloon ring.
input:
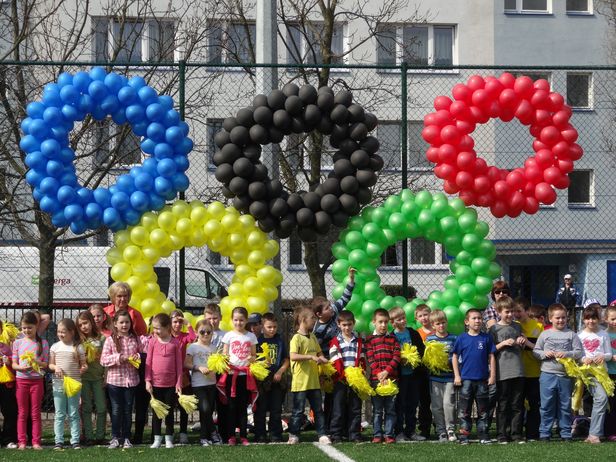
(181, 224)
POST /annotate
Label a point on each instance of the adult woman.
(499, 290)
(119, 294)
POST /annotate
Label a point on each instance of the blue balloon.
(102, 197)
(137, 82)
(93, 211)
(34, 178)
(147, 95)
(73, 212)
(156, 132)
(181, 162)
(59, 220)
(66, 155)
(180, 182)
(125, 183)
(163, 186)
(140, 128)
(149, 166)
(111, 218)
(97, 90)
(166, 102)
(85, 196)
(69, 94)
(66, 195)
(110, 104)
(49, 186)
(155, 112)
(163, 151)
(51, 95)
(52, 116)
(54, 168)
(144, 182)
(36, 160)
(38, 128)
(29, 143)
(132, 217)
(98, 73)
(120, 201)
(79, 227)
(156, 202)
(140, 201)
(174, 135)
(113, 82)
(70, 112)
(65, 79)
(37, 194)
(49, 205)
(166, 168)
(81, 80)
(135, 113)
(127, 95)
(119, 117)
(171, 118)
(35, 110)
(148, 145)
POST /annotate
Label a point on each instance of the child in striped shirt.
(346, 350)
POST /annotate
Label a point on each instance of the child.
(410, 380)
(306, 355)
(273, 388)
(474, 368)
(345, 350)
(92, 391)
(597, 350)
(531, 329)
(442, 395)
(29, 379)
(163, 375)
(383, 357)
(610, 418)
(539, 314)
(67, 358)
(555, 386)
(211, 314)
(240, 346)
(100, 318)
(183, 339)
(122, 376)
(422, 316)
(508, 339)
(203, 381)
(8, 404)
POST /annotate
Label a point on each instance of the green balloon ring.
(410, 215)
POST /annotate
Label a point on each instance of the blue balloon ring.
(50, 158)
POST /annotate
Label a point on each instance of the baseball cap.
(568, 276)
(591, 301)
(254, 318)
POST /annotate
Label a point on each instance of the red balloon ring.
(505, 192)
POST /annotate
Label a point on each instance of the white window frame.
(589, 11)
(590, 106)
(112, 131)
(305, 48)
(148, 24)
(414, 168)
(591, 192)
(520, 10)
(225, 57)
(437, 265)
(431, 47)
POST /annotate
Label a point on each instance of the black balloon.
(307, 234)
(227, 192)
(278, 207)
(371, 121)
(229, 123)
(276, 135)
(274, 188)
(357, 113)
(263, 115)
(348, 146)
(331, 186)
(282, 120)
(364, 195)
(221, 138)
(295, 202)
(241, 203)
(344, 97)
(260, 173)
(259, 100)
(349, 204)
(376, 162)
(322, 222)
(343, 168)
(290, 89)
(258, 209)
(312, 201)
(366, 178)
(298, 126)
(330, 203)
(244, 117)
(252, 152)
(325, 125)
(305, 217)
(257, 190)
(238, 185)
(340, 218)
(275, 100)
(312, 114)
(360, 159)
(370, 144)
(308, 94)
(243, 167)
(239, 135)
(349, 184)
(358, 131)
(325, 101)
(293, 105)
(267, 224)
(339, 114)
(259, 134)
(224, 173)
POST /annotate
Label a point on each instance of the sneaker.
(502, 441)
(442, 438)
(37, 447)
(611, 438)
(324, 440)
(377, 440)
(12, 446)
(127, 444)
(464, 433)
(485, 441)
(58, 447)
(168, 441)
(463, 441)
(204, 442)
(417, 437)
(21, 447)
(77, 446)
(114, 444)
(183, 438)
(216, 439)
(401, 438)
(232, 441)
(293, 439)
(451, 435)
(592, 439)
(389, 440)
(244, 442)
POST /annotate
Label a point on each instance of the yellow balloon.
(230, 223)
(235, 290)
(167, 220)
(197, 238)
(198, 215)
(244, 271)
(132, 254)
(135, 283)
(190, 317)
(180, 209)
(150, 289)
(266, 274)
(113, 256)
(143, 271)
(256, 238)
(177, 241)
(149, 220)
(226, 324)
(139, 235)
(216, 210)
(247, 221)
(256, 305)
(135, 300)
(256, 259)
(235, 240)
(184, 226)
(121, 239)
(212, 228)
(167, 306)
(165, 250)
(159, 237)
(251, 284)
(217, 244)
(238, 255)
(121, 272)
(148, 307)
(270, 293)
(150, 255)
(271, 249)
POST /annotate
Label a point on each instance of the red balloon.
(459, 109)
(485, 200)
(565, 166)
(561, 150)
(482, 185)
(447, 154)
(442, 102)
(525, 112)
(465, 127)
(450, 134)
(507, 114)
(531, 206)
(494, 174)
(545, 193)
(481, 98)
(468, 197)
(561, 118)
(515, 179)
(538, 146)
(562, 182)
(523, 86)
(529, 187)
(535, 130)
(466, 160)
(543, 117)
(540, 99)
(461, 92)
(445, 172)
(498, 209)
(544, 158)
(431, 134)
(516, 201)
(556, 101)
(550, 135)
(508, 98)
(542, 84)
(551, 175)
(475, 82)
(501, 189)
(534, 174)
(493, 87)
(575, 152)
(464, 180)
(432, 154)
(450, 187)
(569, 134)
(443, 117)
(481, 166)
(507, 80)
(466, 143)
(494, 110)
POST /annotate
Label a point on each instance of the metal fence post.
(404, 149)
(182, 103)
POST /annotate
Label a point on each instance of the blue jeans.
(299, 401)
(66, 407)
(407, 401)
(555, 393)
(474, 391)
(599, 408)
(121, 410)
(383, 405)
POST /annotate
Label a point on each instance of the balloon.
(427, 215)
(50, 122)
(139, 248)
(504, 192)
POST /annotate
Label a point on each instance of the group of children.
(512, 369)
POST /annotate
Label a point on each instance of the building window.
(390, 138)
(218, 260)
(581, 188)
(422, 252)
(213, 126)
(420, 45)
(528, 6)
(232, 43)
(304, 43)
(134, 40)
(115, 143)
(578, 90)
(579, 6)
(295, 251)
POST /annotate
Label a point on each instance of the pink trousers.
(29, 400)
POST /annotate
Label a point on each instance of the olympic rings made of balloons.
(50, 158)
(269, 120)
(448, 131)
(407, 215)
(179, 225)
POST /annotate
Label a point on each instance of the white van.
(81, 278)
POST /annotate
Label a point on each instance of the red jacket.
(337, 358)
(138, 323)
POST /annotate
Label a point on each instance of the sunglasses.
(499, 291)
(205, 332)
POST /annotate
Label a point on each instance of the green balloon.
(362, 326)
(464, 274)
(355, 223)
(481, 229)
(483, 284)
(368, 308)
(465, 306)
(425, 219)
(409, 311)
(337, 292)
(391, 236)
(456, 328)
(467, 292)
(480, 302)
(416, 302)
(354, 240)
(355, 303)
(400, 301)
(374, 250)
(392, 204)
(358, 259)
(450, 297)
(449, 225)
(434, 304)
(410, 210)
(495, 270)
(451, 283)
(454, 315)
(380, 217)
(371, 290)
(480, 265)
(470, 242)
(397, 223)
(468, 220)
(440, 208)
(407, 195)
(453, 244)
(388, 302)
(487, 249)
(464, 258)
(373, 234)
(458, 206)
(434, 234)
(340, 270)
(423, 199)
(340, 251)
(367, 213)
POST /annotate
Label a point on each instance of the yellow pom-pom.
(259, 370)
(71, 386)
(6, 375)
(387, 388)
(604, 380)
(9, 333)
(160, 409)
(327, 384)
(410, 355)
(436, 358)
(188, 402)
(356, 379)
(92, 353)
(218, 363)
(327, 369)
(135, 362)
(30, 358)
(265, 352)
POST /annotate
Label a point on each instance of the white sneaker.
(127, 444)
(417, 437)
(293, 439)
(205, 442)
(114, 443)
(401, 438)
(216, 438)
(183, 438)
(442, 438)
(451, 435)
(169, 441)
(158, 440)
(325, 440)
(12, 446)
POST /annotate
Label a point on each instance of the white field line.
(333, 453)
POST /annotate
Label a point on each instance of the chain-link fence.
(575, 235)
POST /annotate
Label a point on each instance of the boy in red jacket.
(346, 349)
